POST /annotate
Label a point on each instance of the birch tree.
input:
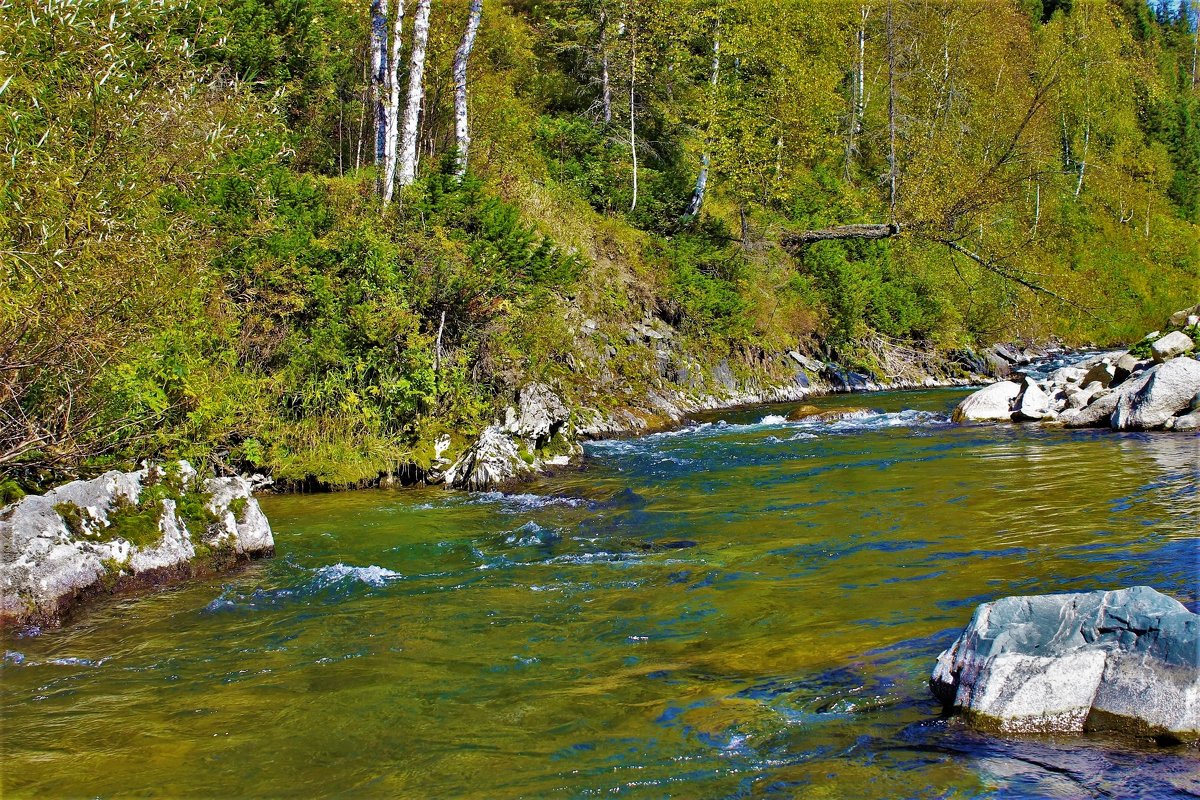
(379, 76)
(393, 106)
(407, 159)
(702, 179)
(462, 131)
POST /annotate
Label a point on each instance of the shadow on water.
(746, 607)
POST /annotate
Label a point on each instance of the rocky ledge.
(121, 531)
(1155, 385)
(1125, 661)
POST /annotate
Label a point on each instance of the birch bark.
(407, 162)
(702, 179)
(462, 130)
(393, 107)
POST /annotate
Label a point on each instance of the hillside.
(197, 261)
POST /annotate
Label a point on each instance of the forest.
(310, 237)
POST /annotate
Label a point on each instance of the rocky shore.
(542, 429)
(120, 532)
(1155, 385)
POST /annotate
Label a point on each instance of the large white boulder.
(1150, 399)
(493, 460)
(1171, 345)
(1122, 660)
(990, 404)
(122, 529)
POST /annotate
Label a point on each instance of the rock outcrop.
(1126, 660)
(123, 530)
(1120, 390)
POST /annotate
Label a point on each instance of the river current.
(745, 607)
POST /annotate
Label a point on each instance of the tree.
(461, 126)
(407, 168)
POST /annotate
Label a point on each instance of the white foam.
(372, 575)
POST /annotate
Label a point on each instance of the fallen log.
(858, 231)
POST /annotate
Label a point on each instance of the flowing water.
(743, 608)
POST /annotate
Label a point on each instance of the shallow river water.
(743, 608)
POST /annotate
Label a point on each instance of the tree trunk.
(791, 241)
(605, 86)
(702, 179)
(393, 107)
(407, 162)
(632, 114)
(462, 131)
(891, 59)
(379, 74)
(858, 92)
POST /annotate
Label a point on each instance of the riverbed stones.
(1034, 404)
(1173, 344)
(123, 530)
(1096, 414)
(1156, 396)
(1124, 660)
(1182, 317)
(492, 460)
(991, 404)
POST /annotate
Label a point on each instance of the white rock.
(493, 459)
(1173, 344)
(52, 562)
(992, 403)
(1034, 403)
(1097, 413)
(1123, 660)
(1158, 394)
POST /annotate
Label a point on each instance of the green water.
(738, 609)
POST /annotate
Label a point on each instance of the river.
(742, 608)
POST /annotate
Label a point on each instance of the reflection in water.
(746, 607)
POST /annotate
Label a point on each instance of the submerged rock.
(123, 529)
(1126, 660)
(990, 404)
(810, 413)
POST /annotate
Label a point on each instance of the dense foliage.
(194, 260)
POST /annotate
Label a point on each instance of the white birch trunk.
(462, 130)
(379, 73)
(633, 115)
(393, 106)
(702, 179)
(407, 166)
(605, 85)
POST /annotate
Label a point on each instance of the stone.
(493, 460)
(1126, 365)
(1102, 373)
(1064, 375)
(1171, 345)
(538, 416)
(1161, 392)
(814, 414)
(59, 550)
(990, 404)
(1124, 660)
(1179, 318)
(1096, 414)
(810, 364)
(1186, 422)
(1034, 404)
(723, 375)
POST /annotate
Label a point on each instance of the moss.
(75, 517)
(137, 523)
(112, 573)
(238, 506)
(10, 492)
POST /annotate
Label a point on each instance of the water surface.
(742, 608)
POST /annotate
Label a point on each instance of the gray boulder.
(1158, 394)
(494, 459)
(1103, 373)
(538, 416)
(1179, 318)
(1171, 345)
(1126, 660)
(123, 530)
(1186, 422)
(1034, 403)
(1097, 413)
(989, 404)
